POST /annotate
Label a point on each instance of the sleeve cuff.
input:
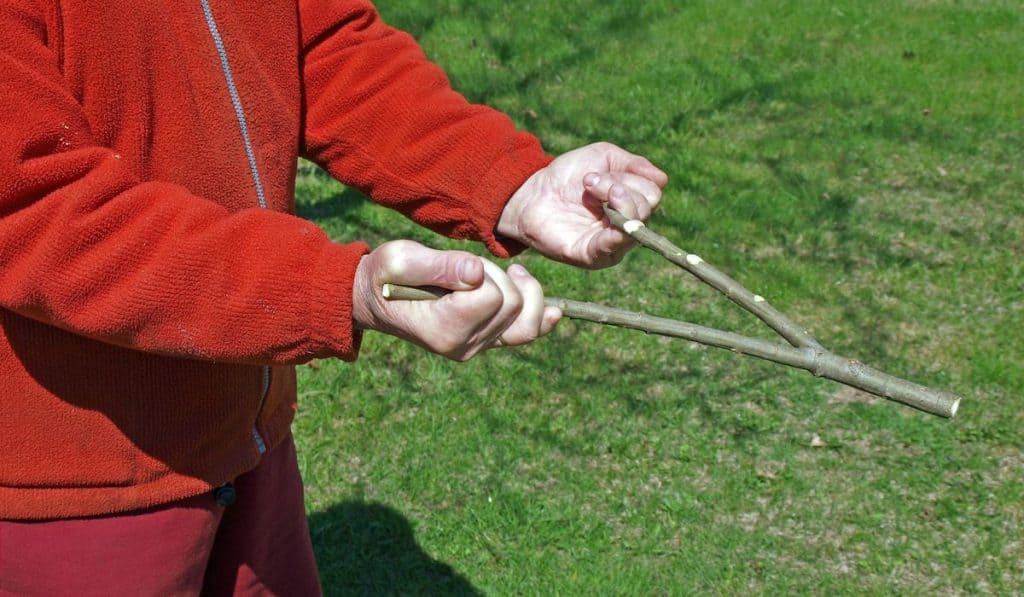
(497, 187)
(332, 325)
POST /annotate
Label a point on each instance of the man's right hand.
(486, 308)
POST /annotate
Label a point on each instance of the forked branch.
(805, 352)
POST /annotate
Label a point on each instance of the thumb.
(456, 270)
(412, 264)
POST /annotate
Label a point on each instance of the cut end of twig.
(694, 259)
(385, 291)
(631, 226)
(954, 407)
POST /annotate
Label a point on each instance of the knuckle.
(531, 287)
(643, 207)
(462, 353)
(514, 302)
(451, 266)
(395, 257)
(395, 247)
(490, 298)
(447, 347)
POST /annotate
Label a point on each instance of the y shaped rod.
(804, 353)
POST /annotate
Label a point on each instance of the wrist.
(510, 224)
(363, 296)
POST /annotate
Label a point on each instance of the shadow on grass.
(369, 549)
(344, 215)
(337, 206)
(722, 399)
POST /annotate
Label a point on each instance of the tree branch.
(814, 359)
(795, 334)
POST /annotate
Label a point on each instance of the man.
(156, 290)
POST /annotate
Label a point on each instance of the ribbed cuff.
(331, 323)
(496, 188)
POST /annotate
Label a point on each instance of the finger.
(651, 192)
(551, 317)
(412, 264)
(511, 304)
(609, 246)
(641, 166)
(464, 323)
(629, 203)
(620, 159)
(602, 181)
(527, 325)
(609, 188)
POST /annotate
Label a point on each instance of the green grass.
(856, 162)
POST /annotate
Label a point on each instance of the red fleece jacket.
(150, 308)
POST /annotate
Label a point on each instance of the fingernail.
(517, 270)
(591, 180)
(465, 270)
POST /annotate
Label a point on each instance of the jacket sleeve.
(379, 116)
(88, 247)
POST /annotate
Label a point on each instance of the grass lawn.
(858, 162)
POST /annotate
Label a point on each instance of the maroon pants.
(259, 545)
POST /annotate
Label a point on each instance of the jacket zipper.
(243, 127)
(261, 446)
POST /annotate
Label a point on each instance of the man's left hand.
(558, 210)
